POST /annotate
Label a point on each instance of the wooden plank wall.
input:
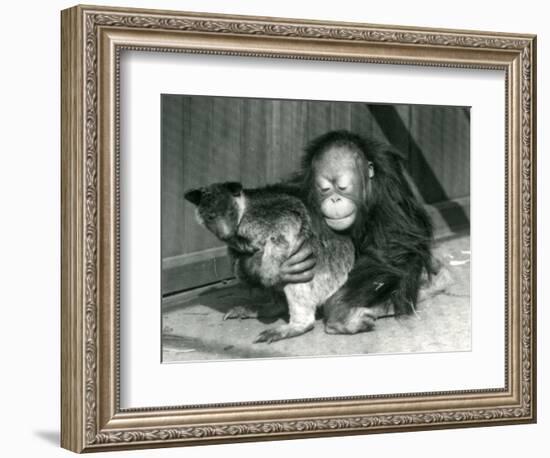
(259, 141)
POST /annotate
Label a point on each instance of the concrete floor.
(194, 329)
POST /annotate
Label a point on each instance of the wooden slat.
(255, 125)
(292, 137)
(440, 152)
(172, 208)
(196, 170)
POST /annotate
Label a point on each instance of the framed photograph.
(277, 228)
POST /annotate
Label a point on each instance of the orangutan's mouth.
(339, 224)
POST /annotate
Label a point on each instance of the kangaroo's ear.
(235, 188)
(193, 196)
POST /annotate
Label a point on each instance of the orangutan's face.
(339, 186)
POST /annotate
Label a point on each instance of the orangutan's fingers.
(299, 267)
(303, 277)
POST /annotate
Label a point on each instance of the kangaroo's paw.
(240, 312)
(285, 331)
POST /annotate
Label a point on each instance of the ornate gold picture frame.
(93, 39)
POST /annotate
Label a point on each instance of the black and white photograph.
(301, 228)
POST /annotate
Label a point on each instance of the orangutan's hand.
(298, 268)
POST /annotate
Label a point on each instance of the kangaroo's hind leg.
(301, 309)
